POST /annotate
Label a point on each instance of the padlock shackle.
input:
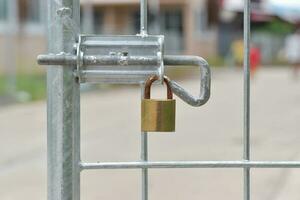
(151, 80)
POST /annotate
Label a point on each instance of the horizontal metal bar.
(65, 59)
(57, 59)
(120, 44)
(116, 72)
(120, 60)
(191, 164)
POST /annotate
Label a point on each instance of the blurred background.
(110, 118)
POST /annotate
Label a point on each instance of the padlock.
(158, 115)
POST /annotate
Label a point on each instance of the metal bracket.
(128, 60)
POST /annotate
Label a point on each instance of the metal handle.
(205, 79)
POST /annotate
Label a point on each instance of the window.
(172, 27)
(3, 10)
(201, 20)
(212, 13)
(30, 11)
(91, 20)
(173, 21)
(136, 21)
(206, 17)
(98, 21)
(33, 12)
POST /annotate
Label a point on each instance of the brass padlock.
(158, 115)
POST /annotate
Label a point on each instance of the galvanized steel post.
(144, 135)
(144, 16)
(246, 137)
(63, 104)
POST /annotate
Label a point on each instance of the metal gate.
(69, 55)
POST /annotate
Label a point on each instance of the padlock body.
(158, 115)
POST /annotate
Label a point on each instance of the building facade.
(190, 26)
(22, 34)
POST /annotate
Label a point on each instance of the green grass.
(26, 87)
(216, 61)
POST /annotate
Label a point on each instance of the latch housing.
(120, 59)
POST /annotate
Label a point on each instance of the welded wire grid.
(62, 163)
(246, 163)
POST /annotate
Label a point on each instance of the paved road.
(110, 132)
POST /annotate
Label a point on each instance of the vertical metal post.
(246, 156)
(144, 157)
(144, 16)
(144, 136)
(63, 104)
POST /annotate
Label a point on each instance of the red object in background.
(221, 3)
(255, 59)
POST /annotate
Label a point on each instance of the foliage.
(216, 61)
(276, 26)
(26, 87)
